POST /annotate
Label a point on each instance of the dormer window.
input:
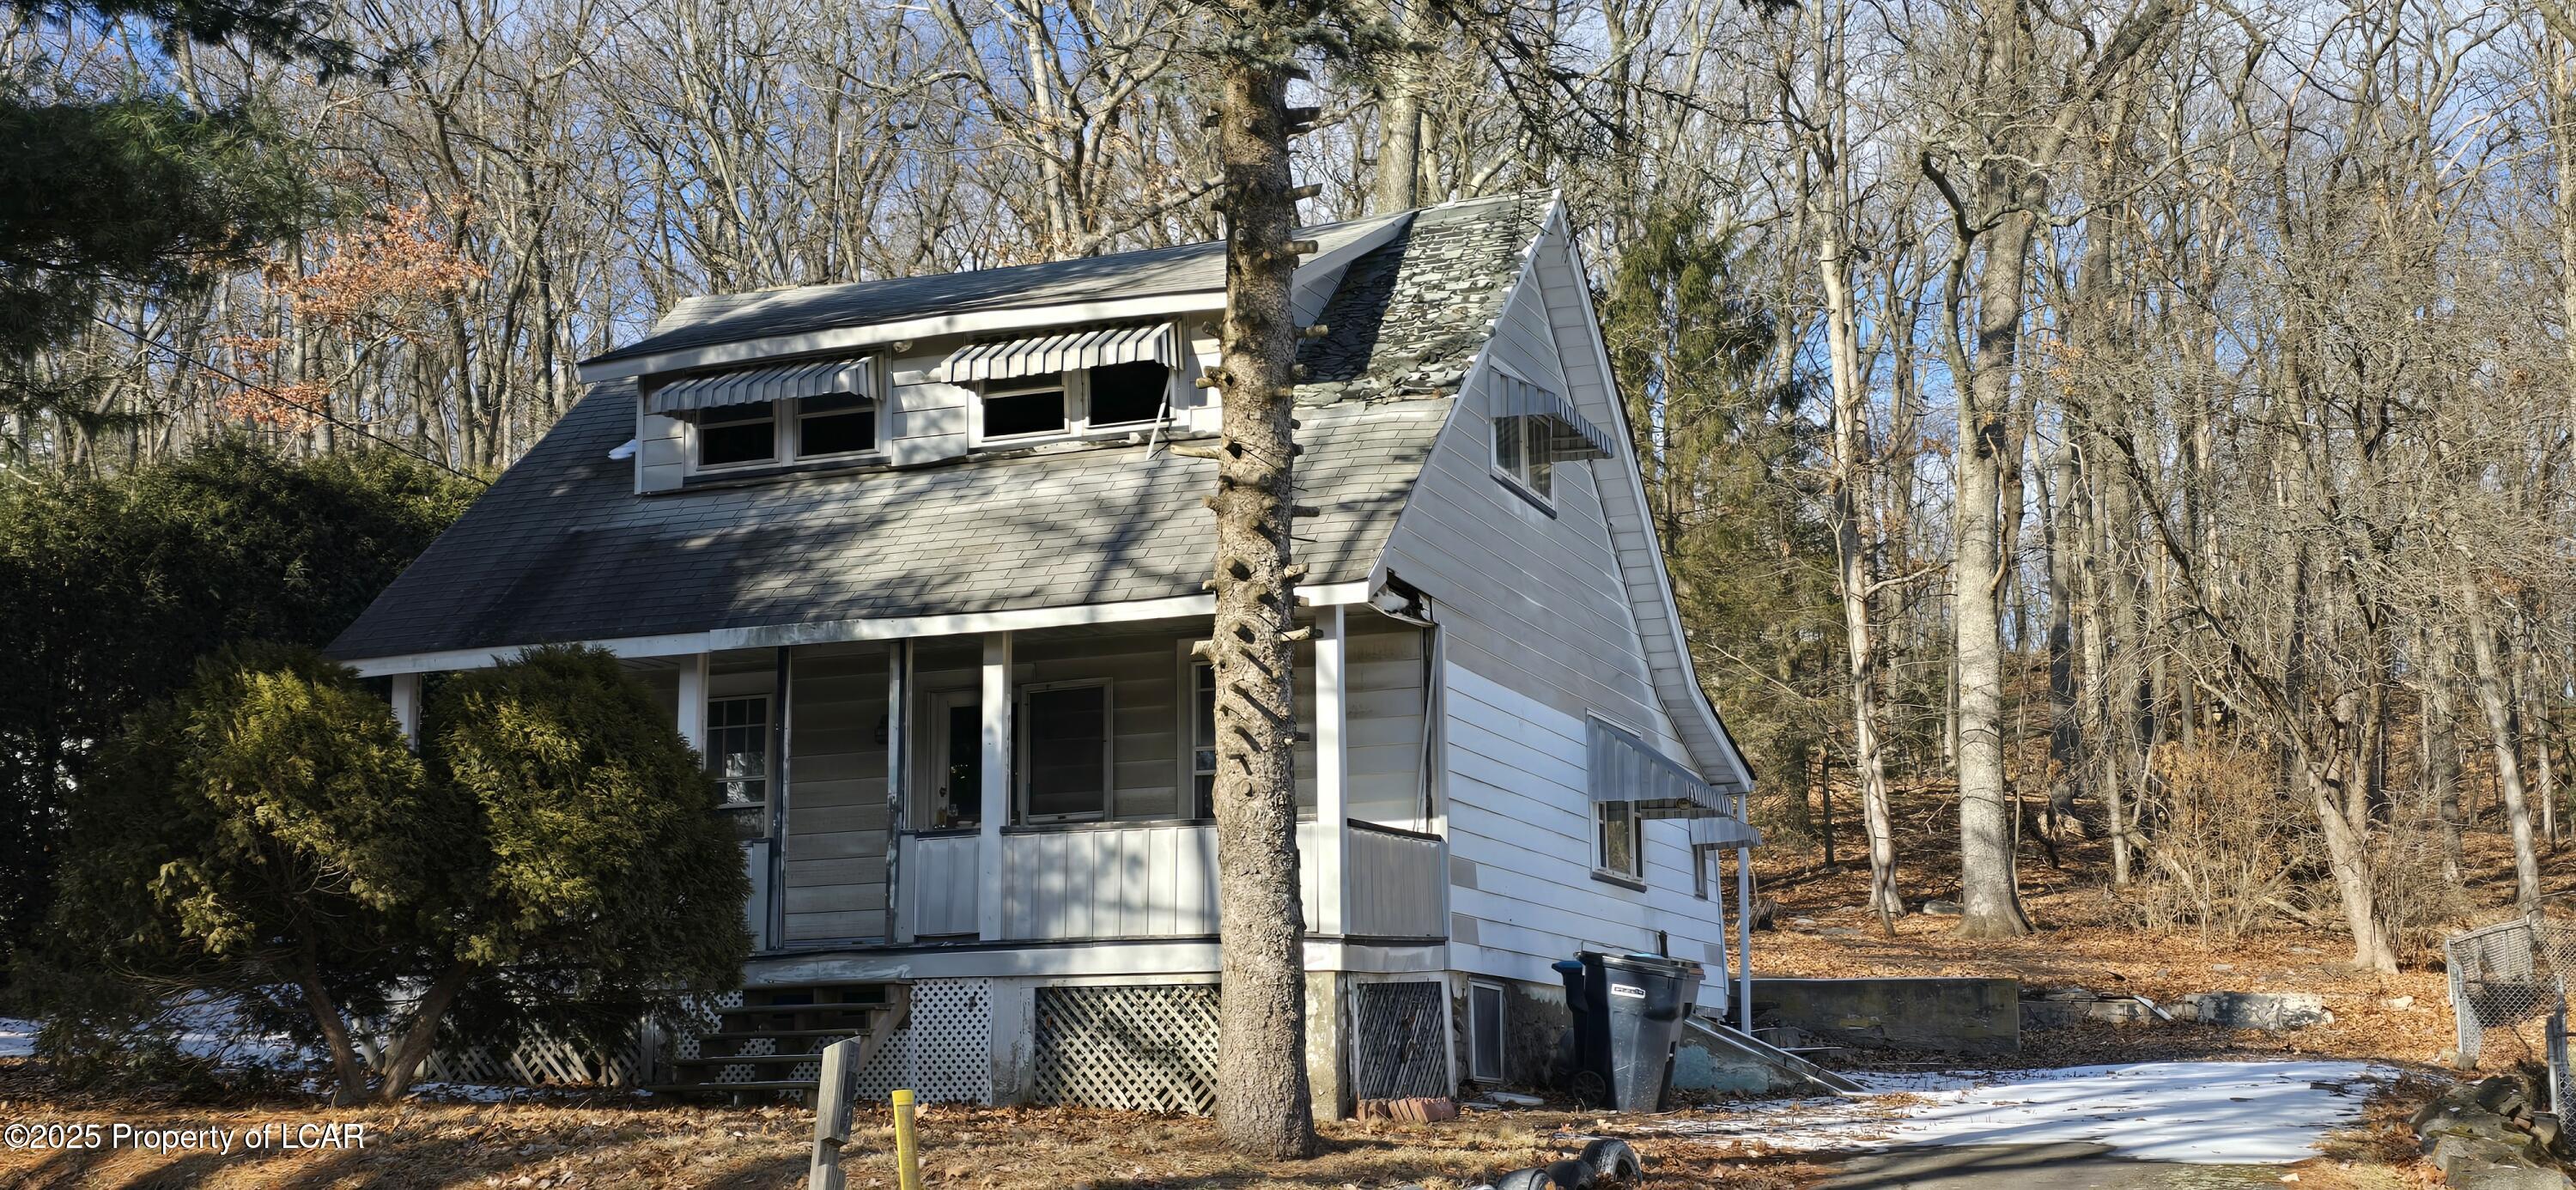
(1068, 384)
(827, 427)
(756, 417)
(737, 435)
(1027, 406)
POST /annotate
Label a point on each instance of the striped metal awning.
(1094, 347)
(1624, 768)
(776, 382)
(1571, 437)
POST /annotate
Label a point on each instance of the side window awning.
(1625, 768)
(1570, 437)
(1065, 351)
(775, 382)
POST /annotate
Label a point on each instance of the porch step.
(795, 1021)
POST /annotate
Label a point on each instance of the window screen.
(835, 425)
(1066, 768)
(1619, 837)
(1025, 407)
(737, 434)
(1124, 393)
(1521, 452)
(1485, 1032)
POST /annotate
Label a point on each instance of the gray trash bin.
(1628, 1012)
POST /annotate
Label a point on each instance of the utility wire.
(323, 412)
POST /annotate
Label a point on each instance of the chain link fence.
(2513, 972)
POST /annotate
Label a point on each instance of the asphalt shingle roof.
(562, 549)
(724, 318)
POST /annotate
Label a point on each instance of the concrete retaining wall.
(1966, 1016)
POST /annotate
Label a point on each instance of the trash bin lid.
(1664, 965)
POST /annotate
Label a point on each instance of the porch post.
(1332, 774)
(406, 699)
(898, 759)
(693, 701)
(1744, 939)
(997, 783)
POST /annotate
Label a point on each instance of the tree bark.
(1990, 908)
(348, 1073)
(1398, 181)
(2495, 699)
(403, 1064)
(1263, 1106)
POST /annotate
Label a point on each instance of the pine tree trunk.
(348, 1073)
(1263, 1106)
(403, 1064)
(1397, 184)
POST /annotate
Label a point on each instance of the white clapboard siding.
(1525, 597)
(1521, 818)
(835, 859)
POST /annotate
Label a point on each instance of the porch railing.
(1156, 880)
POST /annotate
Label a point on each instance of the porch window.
(1621, 852)
(738, 756)
(1485, 1031)
(1064, 751)
(1203, 741)
(1521, 455)
(734, 435)
(843, 424)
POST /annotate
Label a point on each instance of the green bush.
(117, 586)
(266, 837)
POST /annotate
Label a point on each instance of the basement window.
(735, 435)
(1485, 1031)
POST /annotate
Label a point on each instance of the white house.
(917, 571)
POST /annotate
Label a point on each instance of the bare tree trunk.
(2494, 697)
(1398, 181)
(1263, 1105)
(2439, 726)
(1989, 906)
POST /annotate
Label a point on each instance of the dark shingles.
(561, 548)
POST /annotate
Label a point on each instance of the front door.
(951, 774)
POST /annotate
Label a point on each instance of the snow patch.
(2208, 1113)
(17, 1038)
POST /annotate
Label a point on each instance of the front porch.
(1050, 785)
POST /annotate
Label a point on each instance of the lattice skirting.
(1136, 1048)
(537, 1062)
(1398, 1045)
(943, 1053)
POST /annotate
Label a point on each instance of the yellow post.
(907, 1160)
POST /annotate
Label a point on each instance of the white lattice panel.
(1148, 1048)
(944, 1054)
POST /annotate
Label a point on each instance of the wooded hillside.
(2156, 412)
